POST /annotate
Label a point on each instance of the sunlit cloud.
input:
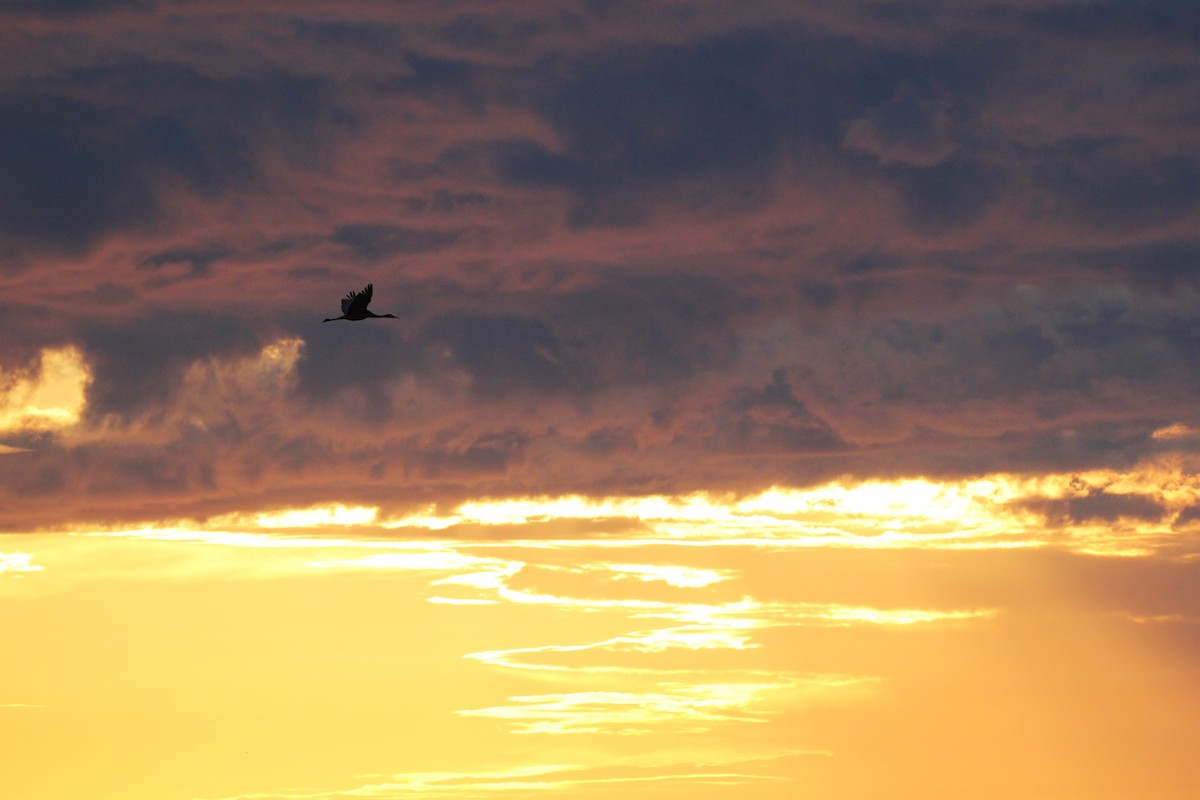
(742, 613)
(1158, 619)
(696, 626)
(18, 564)
(674, 706)
(688, 708)
(494, 579)
(180, 532)
(673, 575)
(214, 391)
(51, 397)
(554, 779)
(1000, 512)
(1176, 430)
(211, 385)
(317, 517)
(992, 513)
(681, 699)
(651, 641)
(299, 554)
(753, 613)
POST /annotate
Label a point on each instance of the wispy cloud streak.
(540, 778)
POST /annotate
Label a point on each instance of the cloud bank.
(635, 248)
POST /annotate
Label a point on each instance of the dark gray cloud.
(443, 201)
(1097, 506)
(73, 8)
(1165, 264)
(359, 359)
(712, 122)
(195, 262)
(438, 79)
(60, 188)
(631, 246)
(950, 195)
(491, 453)
(1107, 194)
(503, 353)
(915, 126)
(657, 328)
(375, 242)
(350, 36)
(102, 149)
(609, 440)
(1162, 20)
(719, 112)
(138, 364)
(771, 419)
(1188, 516)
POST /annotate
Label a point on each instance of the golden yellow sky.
(907, 640)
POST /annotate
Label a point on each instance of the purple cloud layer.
(635, 247)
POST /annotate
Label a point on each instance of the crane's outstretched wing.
(355, 303)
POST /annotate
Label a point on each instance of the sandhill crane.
(354, 306)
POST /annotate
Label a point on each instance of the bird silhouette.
(354, 306)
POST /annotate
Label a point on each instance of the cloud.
(701, 127)
(138, 365)
(61, 189)
(48, 396)
(675, 708)
(632, 248)
(501, 353)
(106, 148)
(374, 242)
(1106, 193)
(1168, 19)
(948, 195)
(771, 419)
(196, 261)
(562, 777)
(18, 564)
(1098, 506)
(490, 453)
(912, 127)
(72, 8)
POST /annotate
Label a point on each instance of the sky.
(786, 399)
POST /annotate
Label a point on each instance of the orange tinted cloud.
(746, 248)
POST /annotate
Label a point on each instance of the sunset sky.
(787, 399)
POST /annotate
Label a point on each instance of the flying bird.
(354, 306)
